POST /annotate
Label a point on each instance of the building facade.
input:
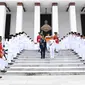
(25, 16)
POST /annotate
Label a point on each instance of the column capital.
(21, 4)
(3, 3)
(72, 4)
(37, 4)
(54, 4)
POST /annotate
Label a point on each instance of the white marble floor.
(43, 80)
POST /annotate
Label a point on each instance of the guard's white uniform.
(3, 64)
(10, 57)
(63, 43)
(36, 46)
(52, 48)
(83, 50)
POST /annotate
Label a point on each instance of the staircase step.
(54, 59)
(48, 56)
(46, 69)
(26, 67)
(74, 58)
(58, 64)
(50, 65)
(30, 73)
(49, 61)
(70, 58)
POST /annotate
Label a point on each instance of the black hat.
(0, 38)
(71, 32)
(55, 32)
(78, 33)
(81, 35)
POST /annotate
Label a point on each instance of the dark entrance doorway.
(7, 25)
(47, 17)
(83, 23)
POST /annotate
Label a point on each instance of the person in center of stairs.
(42, 46)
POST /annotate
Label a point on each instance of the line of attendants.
(75, 42)
(15, 44)
(12, 46)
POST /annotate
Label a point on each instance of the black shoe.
(38, 50)
(3, 71)
(0, 77)
(10, 63)
(18, 53)
(42, 57)
(72, 50)
(79, 57)
(75, 53)
(82, 60)
(56, 51)
(7, 67)
(15, 58)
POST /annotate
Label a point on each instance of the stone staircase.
(29, 63)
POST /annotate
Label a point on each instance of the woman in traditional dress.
(2, 61)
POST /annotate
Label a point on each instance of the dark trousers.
(42, 53)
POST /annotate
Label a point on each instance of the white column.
(72, 15)
(36, 20)
(55, 23)
(2, 19)
(19, 18)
